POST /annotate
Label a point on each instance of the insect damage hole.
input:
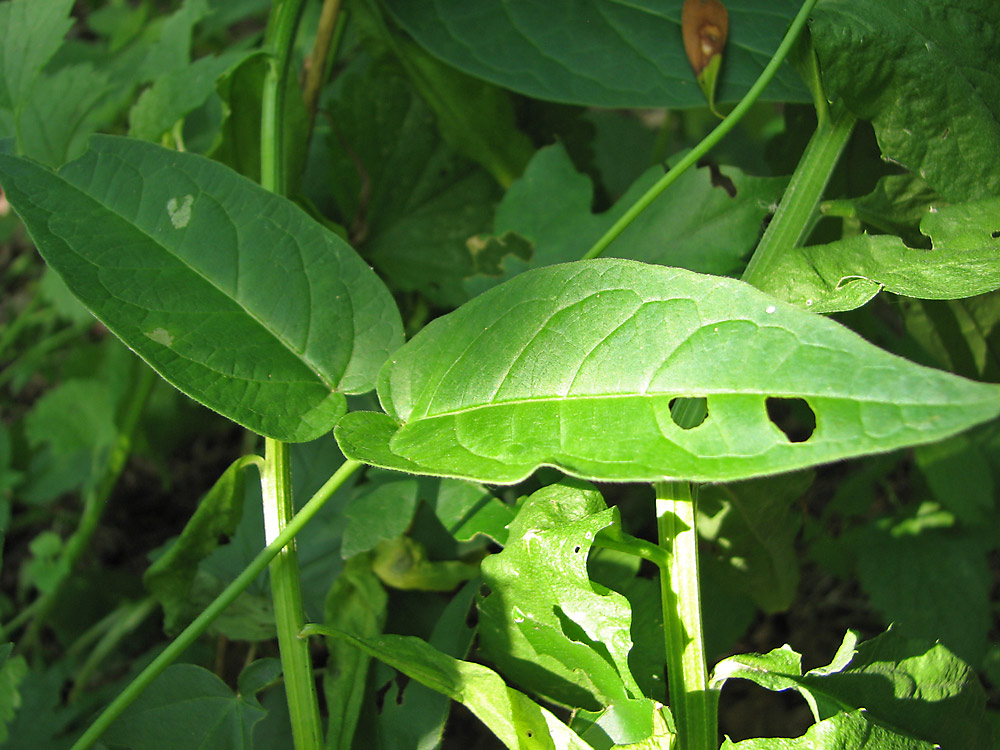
(793, 416)
(688, 411)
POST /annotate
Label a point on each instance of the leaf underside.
(575, 366)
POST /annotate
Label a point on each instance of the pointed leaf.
(575, 366)
(516, 720)
(31, 32)
(544, 624)
(705, 25)
(234, 295)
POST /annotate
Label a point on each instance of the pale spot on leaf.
(180, 211)
(161, 336)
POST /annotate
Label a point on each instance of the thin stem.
(721, 130)
(796, 213)
(694, 706)
(286, 593)
(95, 500)
(216, 608)
(316, 65)
(279, 38)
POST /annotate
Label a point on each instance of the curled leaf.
(705, 26)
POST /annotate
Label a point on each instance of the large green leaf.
(516, 720)
(234, 295)
(846, 274)
(575, 366)
(544, 623)
(847, 731)
(597, 53)
(926, 73)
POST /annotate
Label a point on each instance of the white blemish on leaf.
(161, 336)
(770, 309)
(180, 211)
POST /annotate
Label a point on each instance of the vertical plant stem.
(709, 141)
(316, 66)
(795, 215)
(193, 631)
(286, 593)
(694, 706)
(95, 499)
(275, 481)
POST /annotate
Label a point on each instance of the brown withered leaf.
(705, 25)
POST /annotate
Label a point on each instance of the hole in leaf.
(793, 416)
(688, 412)
(995, 235)
(576, 549)
(718, 178)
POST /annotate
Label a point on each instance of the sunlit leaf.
(576, 366)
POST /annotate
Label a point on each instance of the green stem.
(286, 593)
(275, 483)
(797, 211)
(709, 142)
(216, 608)
(95, 500)
(694, 706)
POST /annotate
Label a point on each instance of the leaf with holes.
(233, 294)
(544, 623)
(575, 366)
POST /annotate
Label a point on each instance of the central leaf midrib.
(300, 356)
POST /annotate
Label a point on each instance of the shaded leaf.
(695, 225)
(232, 294)
(356, 601)
(927, 75)
(752, 528)
(548, 51)
(188, 707)
(516, 720)
(917, 688)
(384, 513)
(575, 366)
(12, 672)
(468, 509)
(544, 623)
(170, 577)
(30, 34)
(846, 274)
(403, 564)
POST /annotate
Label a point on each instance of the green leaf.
(188, 707)
(172, 48)
(847, 731)
(752, 529)
(575, 366)
(403, 563)
(468, 509)
(176, 94)
(384, 513)
(516, 720)
(77, 415)
(413, 717)
(917, 688)
(12, 671)
(410, 201)
(31, 31)
(544, 623)
(357, 602)
(846, 274)
(60, 113)
(231, 293)
(932, 583)
(548, 51)
(925, 73)
(476, 119)
(958, 474)
(696, 225)
(170, 577)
